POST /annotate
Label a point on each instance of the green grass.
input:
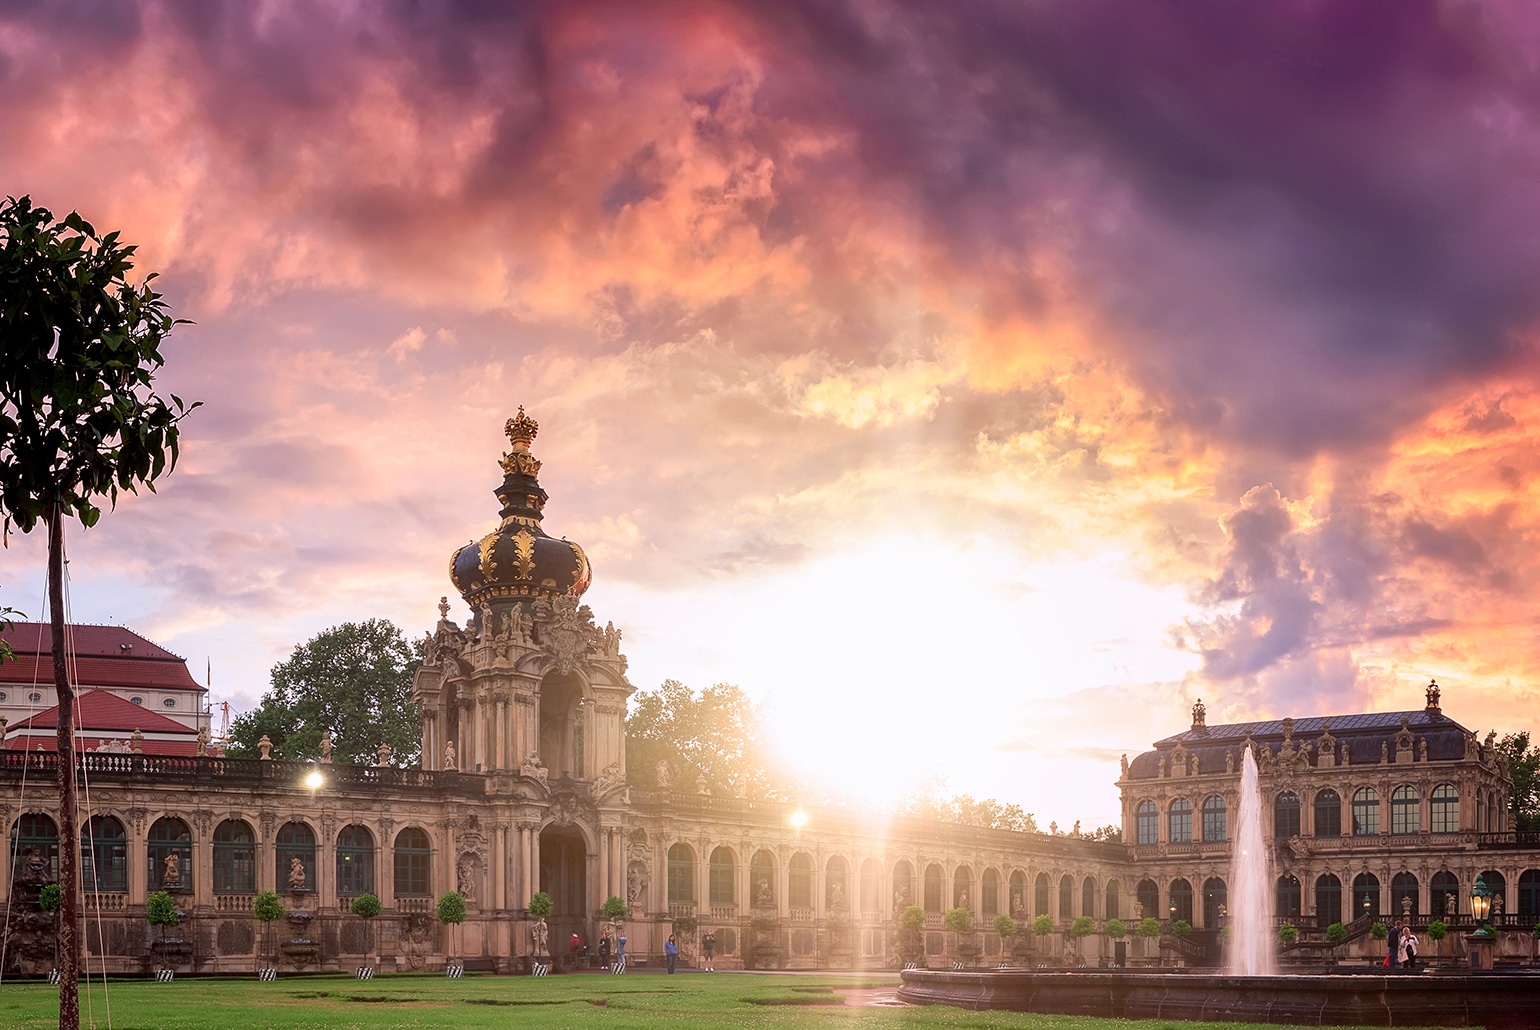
(590, 1002)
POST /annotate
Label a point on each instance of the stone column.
(430, 753)
(138, 861)
(385, 867)
(604, 864)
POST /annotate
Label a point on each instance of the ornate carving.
(523, 553)
(137, 816)
(609, 781)
(267, 822)
(565, 637)
(487, 563)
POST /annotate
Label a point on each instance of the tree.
(1524, 765)
(1080, 929)
(451, 912)
(614, 907)
(1149, 927)
(354, 680)
(540, 905)
(1288, 933)
(959, 920)
(717, 732)
(1437, 931)
(1181, 928)
(267, 907)
(1115, 929)
(366, 906)
(161, 910)
(79, 421)
(933, 802)
(1005, 927)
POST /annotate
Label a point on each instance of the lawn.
(589, 1001)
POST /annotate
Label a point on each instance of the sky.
(976, 385)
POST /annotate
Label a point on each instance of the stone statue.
(465, 875)
(1053, 827)
(172, 877)
(962, 902)
(203, 742)
(326, 747)
(634, 887)
(1138, 910)
(1230, 760)
(700, 784)
(1497, 904)
(1299, 847)
(1384, 751)
(532, 768)
(1124, 762)
(1422, 749)
(296, 875)
(1451, 905)
(762, 895)
(1344, 756)
(540, 936)
(384, 755)
(837, 895)
(136, 742)
(665, 776)
(1018, 906)
(265, 745)
(1199, 714)
(449, 757)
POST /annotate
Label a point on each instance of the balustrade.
(233, 902)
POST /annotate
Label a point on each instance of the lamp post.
(1479, 942)
(1480, 902)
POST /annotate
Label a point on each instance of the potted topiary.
(1437, 931)
(614, 910)
(540, 907)
(1042, 930)
(1288, 933)
(1336, 933)
(366, 907)
(1079, 930)
(267, 907)
(451, 912)
(1149, 930)
(161, 910)
(960, 921)
(1379, 931)
(1005, 929)
(911, 942)
(1115, 931)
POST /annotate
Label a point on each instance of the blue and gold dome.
(519, 561)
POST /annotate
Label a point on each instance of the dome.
(519, 560)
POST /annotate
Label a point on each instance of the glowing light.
(313, 781)
(799, 819)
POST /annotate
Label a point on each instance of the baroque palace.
(524, 787)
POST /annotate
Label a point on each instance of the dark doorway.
(561, 725)
(564, 876)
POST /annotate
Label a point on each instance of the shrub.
(267, 906)
(614, 907)
(1336, 933)
(366, 906)
(1082, 927)
(1438, 930)
(959, 919)
(160, 909)
(1536, 933)
(451, 908)
(1379, 931)
(1288, 933)
(1149, 926)
(1181, 928)
(1115, 929)
(540, 905)
(1005, 926)
(1042, 925)
(912, 918)
(50, 898)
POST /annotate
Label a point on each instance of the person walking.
(1393, 946)
(708, 951)
(671, 952)
(620, 955)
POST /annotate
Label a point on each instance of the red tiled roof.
(103, 710)
(105, 656)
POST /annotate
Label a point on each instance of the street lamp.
(314, 781)
(1480, 901)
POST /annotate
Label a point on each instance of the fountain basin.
(1497, 1001)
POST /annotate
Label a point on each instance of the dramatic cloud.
(1221, 313)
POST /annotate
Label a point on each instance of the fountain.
(1252, 944)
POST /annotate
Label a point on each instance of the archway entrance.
(564, 876)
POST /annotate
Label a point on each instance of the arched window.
(1366, 812)
(1405, 810)
(989, 894)
(1214, 828)
(1018, 895)
(1066, 898)
(295, 842)
(1040, 889)
(681, 875)
(1499, 888)
(169, 850)
(1088, 897)
(1114, 908)
(871, 886)
(762, 879)
(355, 861)
(1328, 900)
(799, 881)
(1328, 814)
(1366, 895)
(1444, 895)
(1147, 894)
(1216, 897)
(903, 886)
(1529, 897)
(235, 858)
(1181, 900)
(962, 888)
(413, 864)
(1445, 809)
(1147, 820)
(722, 877)
(34, 848)
(103, 855)
(1179, 821)
(1286, 815)
(1403, 895)
(836, 886)
(933, 888)
(1288, 898)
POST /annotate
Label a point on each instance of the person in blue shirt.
(671, 953)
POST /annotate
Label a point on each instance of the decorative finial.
(521, 429)
(1433, 693)
(1199, 715)
(443, 607)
